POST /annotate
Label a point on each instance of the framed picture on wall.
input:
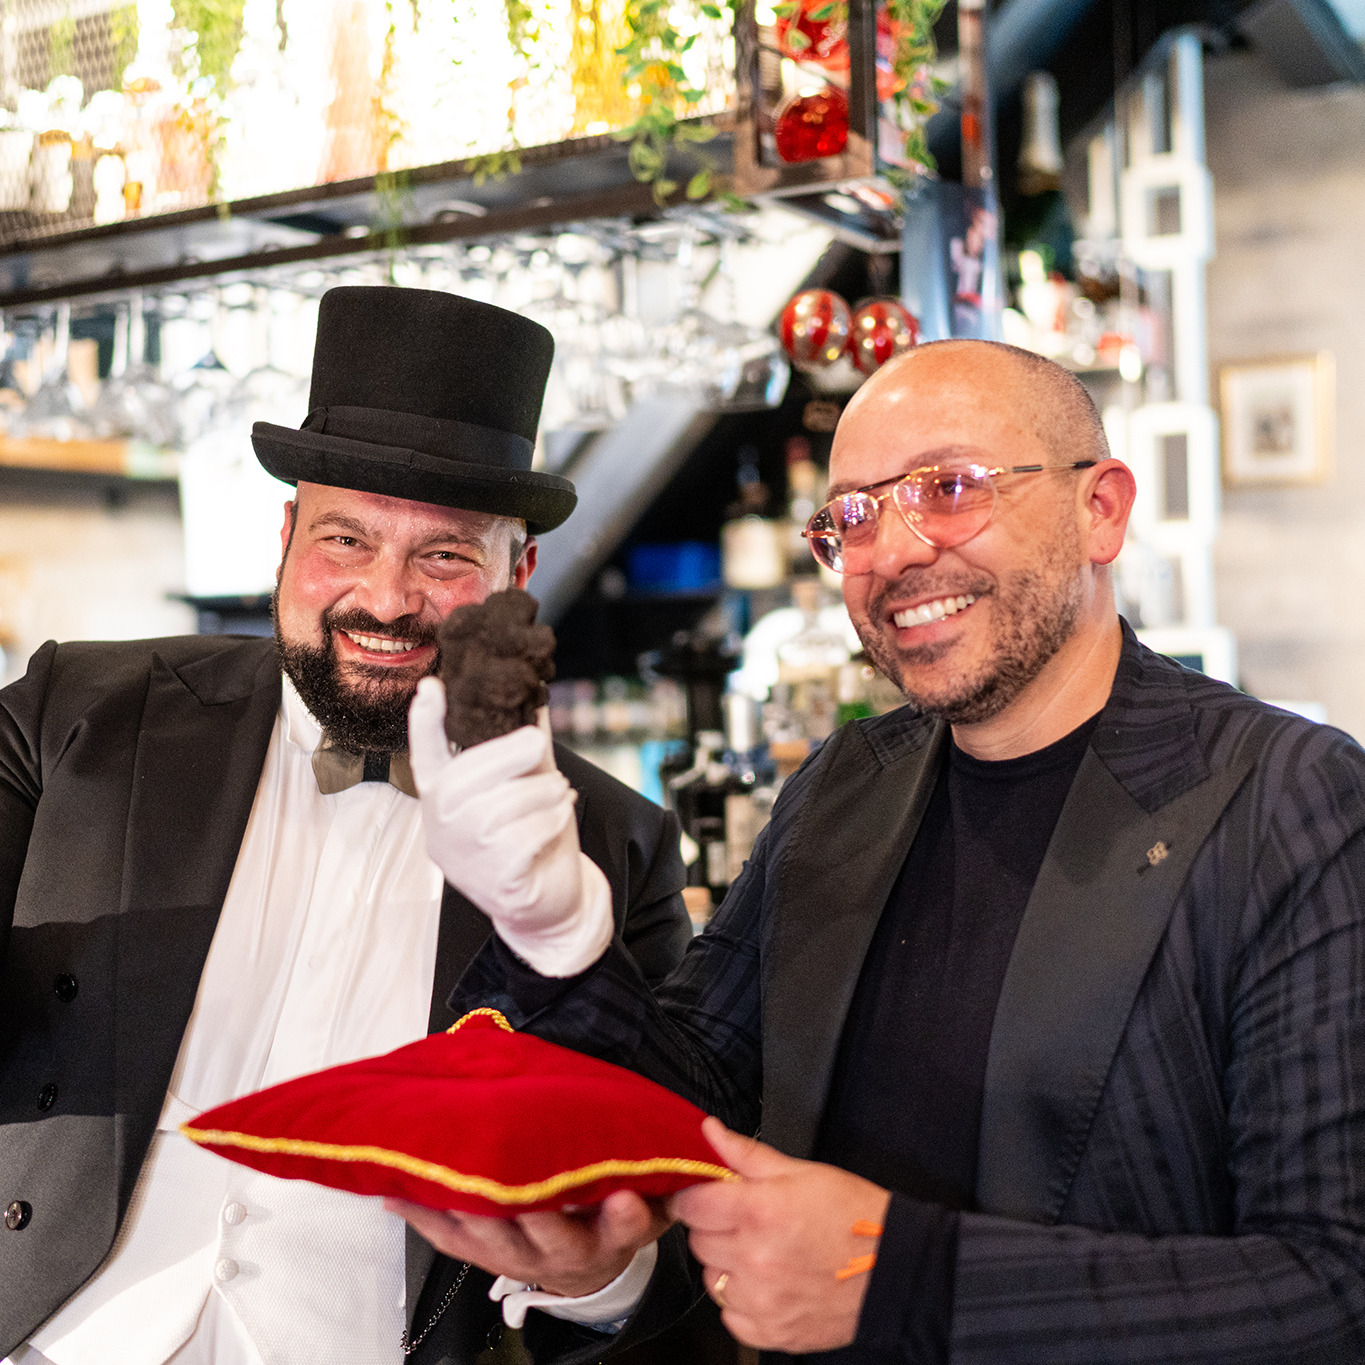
(1277, 420)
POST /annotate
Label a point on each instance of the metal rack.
(565, 182)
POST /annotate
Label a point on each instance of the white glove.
(499, 822)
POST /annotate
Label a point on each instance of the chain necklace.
(410, 1346)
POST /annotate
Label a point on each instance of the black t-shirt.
(904, 1108)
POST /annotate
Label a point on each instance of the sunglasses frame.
(979, 471)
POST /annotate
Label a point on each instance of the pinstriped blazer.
(1172, 1160)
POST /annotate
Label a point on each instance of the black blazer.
(127, 773)
(1172, 1157)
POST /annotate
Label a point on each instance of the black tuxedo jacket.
(127, 773)
(1172, 1153)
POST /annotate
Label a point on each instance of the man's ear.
(1108, 491)
(526, 565)
(291, 516)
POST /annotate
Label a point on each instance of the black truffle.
(495, 662)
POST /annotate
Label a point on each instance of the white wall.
(1289, 277)
(73, 567)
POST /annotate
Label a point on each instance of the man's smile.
(382, 648)
(925, 613)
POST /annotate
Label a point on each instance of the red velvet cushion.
(480, 1119)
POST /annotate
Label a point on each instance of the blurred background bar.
(728, 223)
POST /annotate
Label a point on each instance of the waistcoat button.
(225, 1270)
(65, 987)
(47, 1097)
(17, 1215)
(234, 1213)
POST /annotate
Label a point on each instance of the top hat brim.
(542, 501)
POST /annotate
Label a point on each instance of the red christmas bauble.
(822, 42)
(881, 330)
(812, 124)
(814, 328)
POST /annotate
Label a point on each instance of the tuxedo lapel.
(1142, 804)
(201, 746)
(830, 890)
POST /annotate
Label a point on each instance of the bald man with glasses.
(1046, 990)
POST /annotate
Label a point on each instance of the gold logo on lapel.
(1158, 853)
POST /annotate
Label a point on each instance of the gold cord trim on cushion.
(497, 1016)
(454, 1180)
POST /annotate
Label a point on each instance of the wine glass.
(56, 410)
(728, 366)
(134, 402)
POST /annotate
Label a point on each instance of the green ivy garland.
(123, 36)
(213, 28)
(61, 46)
(915, 52)
(913, 100)
(653, 59)
(653, 56)
(653, 65)
(217, 29)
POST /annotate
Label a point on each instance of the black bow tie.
(337, 769)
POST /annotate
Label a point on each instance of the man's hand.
(776, 1241)
(566, 1253)
(499, 823)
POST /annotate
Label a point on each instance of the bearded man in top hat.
(212, 878)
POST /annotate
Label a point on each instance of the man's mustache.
(412, 630)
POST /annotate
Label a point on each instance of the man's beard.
(369, 714)
(1035, 613)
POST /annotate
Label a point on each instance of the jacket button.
(66, 987)
(47, 1097)
(17, 1215)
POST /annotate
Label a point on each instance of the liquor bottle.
(698, 796)
(810, 661)
(1038, 218)
(805, 492)
(751, 543)
(723, 800)
(749, 791)
(855, 702)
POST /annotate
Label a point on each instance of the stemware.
(727, 365)
(56, 409)
(232, 507)
(582, 395)
(203, 388)
(134, 402)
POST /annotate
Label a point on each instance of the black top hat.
(427, 396)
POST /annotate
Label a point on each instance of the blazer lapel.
(1142, 804)
(201, 747)
(853, 834)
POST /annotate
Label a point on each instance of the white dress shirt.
(324, 953)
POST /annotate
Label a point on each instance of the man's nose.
(897, 548)
(389, 589)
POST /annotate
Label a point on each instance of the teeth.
(932, 611)
(379, 645)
